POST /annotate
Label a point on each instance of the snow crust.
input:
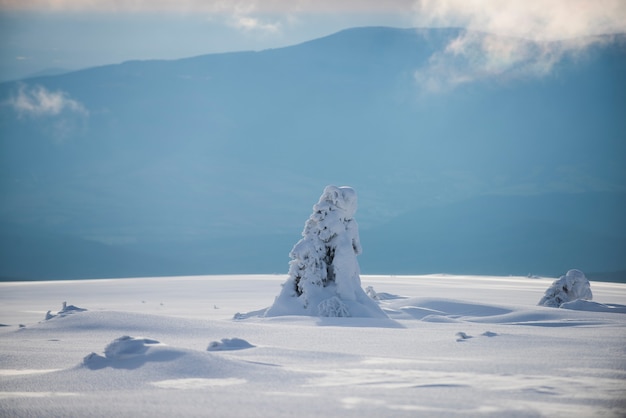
(450, 346)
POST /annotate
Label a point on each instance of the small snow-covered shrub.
(324, 272)
(573, 286)
(369, 290)
(65, 310)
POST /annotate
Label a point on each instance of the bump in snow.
(229, 344)
(125, 351)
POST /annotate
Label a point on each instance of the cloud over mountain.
(38, 101)
(192, 163)
(512, 39)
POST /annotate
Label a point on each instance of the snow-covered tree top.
(343, 198)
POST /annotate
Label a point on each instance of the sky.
(38, 35)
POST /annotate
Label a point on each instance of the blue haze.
(211, 164)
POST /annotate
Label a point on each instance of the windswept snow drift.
(229, 344)
(590, 306)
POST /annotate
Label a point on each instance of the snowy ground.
(454, 346)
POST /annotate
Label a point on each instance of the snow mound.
(324, 275)
(590, 306)
(65, 310)
(459, 311)
(127, 352)
(441, 310)
(229, 344)
(131, 362)
(127, 347)
(571, 287)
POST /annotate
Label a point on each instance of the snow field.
(452, 346)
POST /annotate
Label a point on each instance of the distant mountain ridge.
(506, 234)
(212, 163)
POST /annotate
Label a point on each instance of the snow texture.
(324, 276)
(475, 346)
(569, 288)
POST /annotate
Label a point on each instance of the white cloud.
(39, 101)
(59, 117)
(211, 6)
(512, 38)
(248, 24)
(539, 20)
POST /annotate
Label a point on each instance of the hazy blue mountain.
(48, 72)
(211, 164)
(543, 234)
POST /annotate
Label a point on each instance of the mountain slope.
(226, 148)
(542, 235)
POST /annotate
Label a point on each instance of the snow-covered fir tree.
(324, 277)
